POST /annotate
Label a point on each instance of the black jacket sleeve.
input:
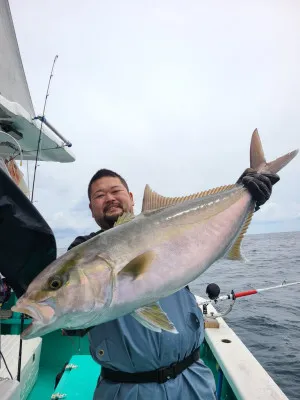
(82, 239)
(76, 242)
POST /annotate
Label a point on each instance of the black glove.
(259, 185)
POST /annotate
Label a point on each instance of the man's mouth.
(113, 207)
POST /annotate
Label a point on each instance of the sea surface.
(267, 323)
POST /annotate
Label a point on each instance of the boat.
(55, 366)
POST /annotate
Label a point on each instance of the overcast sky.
(166, 93)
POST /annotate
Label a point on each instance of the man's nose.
(109, 196)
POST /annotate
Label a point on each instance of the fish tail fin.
(259, 164)
(258, 161)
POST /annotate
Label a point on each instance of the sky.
(166, 93)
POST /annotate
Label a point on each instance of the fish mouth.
(41, 318)
(28, 311)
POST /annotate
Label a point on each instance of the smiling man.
(129, 353)
(109, 198)
(138, 363)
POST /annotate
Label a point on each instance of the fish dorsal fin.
(234, 252)
(125, 217)
(153, 317)
(154, 201)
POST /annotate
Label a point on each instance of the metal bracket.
(71, 366)
(57, 396)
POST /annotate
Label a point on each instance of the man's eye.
(100, 196)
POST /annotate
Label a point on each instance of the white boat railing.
(245, 375)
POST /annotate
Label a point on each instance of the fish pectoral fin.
(138, 265)
(125, 217)
(234, 253)
(153, 317)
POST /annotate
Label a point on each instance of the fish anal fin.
(154, 201)
(234, 252)
(137, 266)
(145, 323)
(153, 317)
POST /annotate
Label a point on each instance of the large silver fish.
(127, 269)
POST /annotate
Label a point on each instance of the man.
(130, 354)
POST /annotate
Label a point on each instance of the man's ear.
(131, 196)
(90, 207)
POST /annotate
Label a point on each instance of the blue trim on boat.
(219, 384)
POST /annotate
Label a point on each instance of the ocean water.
(267, 323)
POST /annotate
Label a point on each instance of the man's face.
(109, 200)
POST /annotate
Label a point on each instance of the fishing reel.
(213, 292)
(5, 291)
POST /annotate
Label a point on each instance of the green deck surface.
(56, 351)
(44, 386)
(80, 382)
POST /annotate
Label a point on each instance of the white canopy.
(16, 121)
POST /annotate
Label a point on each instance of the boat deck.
(31, 350)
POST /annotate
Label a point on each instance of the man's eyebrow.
(117, 186)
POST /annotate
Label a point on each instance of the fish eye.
(55, 283)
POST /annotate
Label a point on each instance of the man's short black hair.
(103, 173)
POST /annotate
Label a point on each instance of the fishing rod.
(41, 127)
(213, 292)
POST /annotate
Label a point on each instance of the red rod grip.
(246, 293)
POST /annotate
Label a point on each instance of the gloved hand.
(258, 184)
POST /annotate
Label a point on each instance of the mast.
(21, 130)
(13, 83)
